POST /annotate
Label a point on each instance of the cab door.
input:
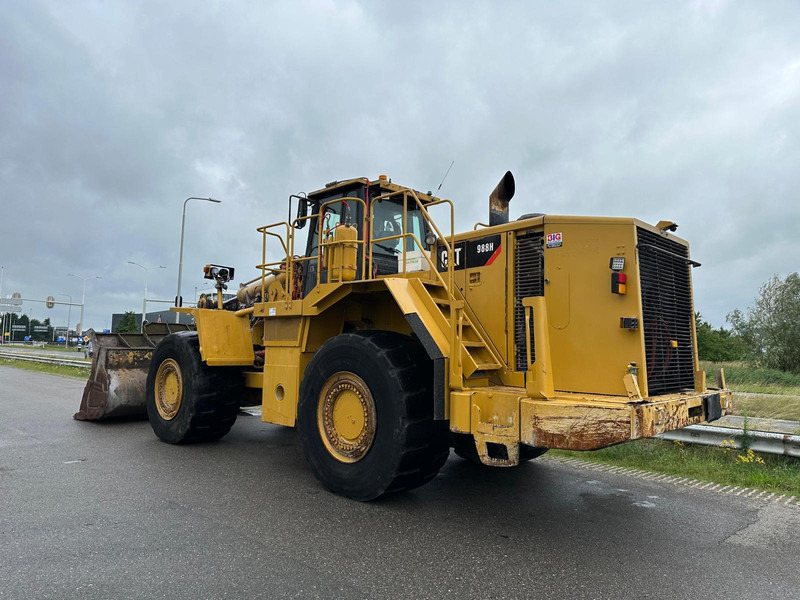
(335, 213)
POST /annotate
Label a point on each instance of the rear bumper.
(502, 418)
(588, 425)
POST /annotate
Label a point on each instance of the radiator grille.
(666, 313)
(528, 281)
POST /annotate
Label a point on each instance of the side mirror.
(302, 211)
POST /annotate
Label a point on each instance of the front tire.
(365, 416)
(188, 401)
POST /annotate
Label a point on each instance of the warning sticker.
(553, 240)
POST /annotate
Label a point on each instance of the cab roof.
(384, 185)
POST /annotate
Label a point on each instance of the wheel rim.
(169, 389)
(346, 417)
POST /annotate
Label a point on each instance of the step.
(487, 366)
(473, 343)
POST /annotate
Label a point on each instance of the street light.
(69, 316)
(178, 299)
(83, 298)
(144, 298)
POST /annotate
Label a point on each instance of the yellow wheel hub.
(168, 389)
(346, 417)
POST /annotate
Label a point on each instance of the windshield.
(387, 221)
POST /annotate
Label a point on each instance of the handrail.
(416, 241)
(323, 243)
(456, 307)
(429, 220)
(366, 243)
(263, 230)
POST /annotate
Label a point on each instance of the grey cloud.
(112, 113)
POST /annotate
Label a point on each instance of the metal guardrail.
(762, 441)
(43, 359)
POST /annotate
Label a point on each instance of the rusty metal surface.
(650, 420)
(116, 385)
(573, 427)
(590, 426)
(499, 198)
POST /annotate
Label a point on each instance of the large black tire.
(209, 396)
(408, 447)
(464, 446)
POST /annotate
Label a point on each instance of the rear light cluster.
(619, 283)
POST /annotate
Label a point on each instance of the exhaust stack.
(499, 199)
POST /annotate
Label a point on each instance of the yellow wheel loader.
(386, 341)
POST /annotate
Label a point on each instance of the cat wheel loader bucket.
(116, 386)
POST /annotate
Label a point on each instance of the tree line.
(767, 334)
(30, 324)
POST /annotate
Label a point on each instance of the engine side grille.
(528, 281)
(666, 313)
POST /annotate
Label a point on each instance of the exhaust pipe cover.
(499, 199)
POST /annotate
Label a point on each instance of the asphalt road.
(107, 511)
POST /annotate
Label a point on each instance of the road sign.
(85, 338)
(13, 301)
(60, 339)
(62, 328)
(41, 328)
(51, 302)
(10, 308)
(19, 327)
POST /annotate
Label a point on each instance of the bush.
(718, 345)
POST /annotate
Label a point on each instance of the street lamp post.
(178, 300)
(83, 298)
(144, 298)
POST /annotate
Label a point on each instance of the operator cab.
(387, 216)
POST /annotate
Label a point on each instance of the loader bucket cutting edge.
(116, 385)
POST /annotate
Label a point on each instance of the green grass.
(783, 389)
(779, 474)
(741, 377)
(774, 406)
(79, 372)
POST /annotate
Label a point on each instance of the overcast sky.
(111, 113)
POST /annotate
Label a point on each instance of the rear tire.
(365, 416)
(464, 446)
(188, 401)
